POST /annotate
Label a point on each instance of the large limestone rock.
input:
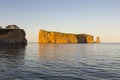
(57, 37)
(12, 37)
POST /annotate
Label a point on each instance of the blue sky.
(97, 17)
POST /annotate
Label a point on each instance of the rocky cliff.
(58, 37)
(12, 37)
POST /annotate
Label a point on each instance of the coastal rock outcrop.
(62, 38)
(97, 40)
(12, 37)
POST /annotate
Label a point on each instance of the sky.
(96, 17)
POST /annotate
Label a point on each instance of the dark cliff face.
(12, 37)
(60, 38)
(85, 38)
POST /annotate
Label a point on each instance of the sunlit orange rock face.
(63, 38)
(97, 40)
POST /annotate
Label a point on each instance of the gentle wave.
(60, 62)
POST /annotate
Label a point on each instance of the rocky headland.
(63, 38)
(12, 37)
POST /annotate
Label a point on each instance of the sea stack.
(12, 35)
(46, 37)
(97, 40)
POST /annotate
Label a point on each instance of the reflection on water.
(46, 51)
(57, 52)
(60, 62)
(67, 52)
(11, 57)
(81, 61)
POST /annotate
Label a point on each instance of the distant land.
(64, 38)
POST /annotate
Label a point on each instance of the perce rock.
(63, 38)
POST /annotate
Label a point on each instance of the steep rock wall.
(12, 36)
(62, 38)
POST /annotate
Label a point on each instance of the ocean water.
(60, 62)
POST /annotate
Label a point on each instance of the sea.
(60, 62)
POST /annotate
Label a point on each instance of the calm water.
(60, 62)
